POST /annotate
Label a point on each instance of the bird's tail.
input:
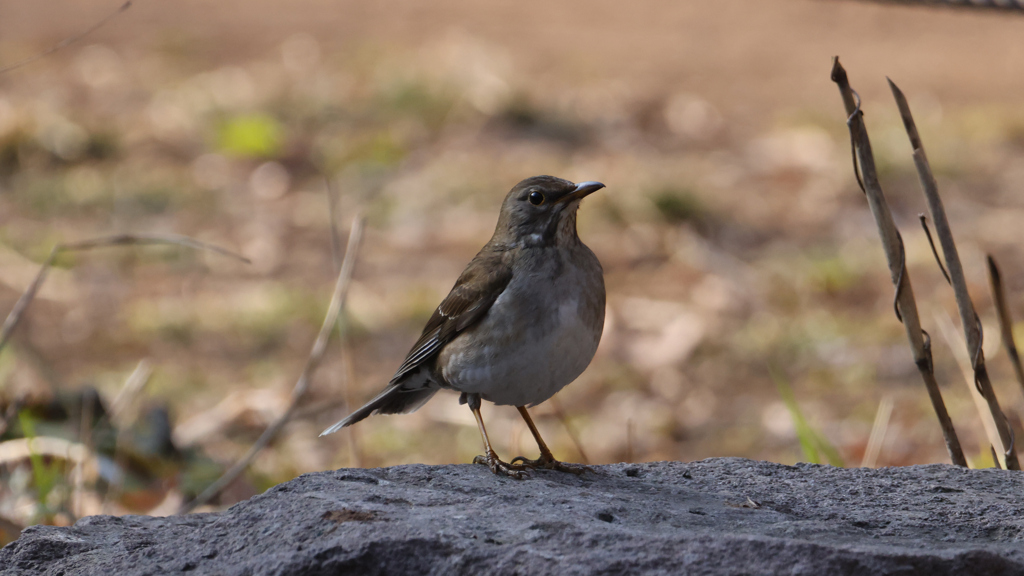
(393, 400)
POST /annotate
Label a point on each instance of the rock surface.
(719, 516)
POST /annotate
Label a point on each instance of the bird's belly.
(524, 359)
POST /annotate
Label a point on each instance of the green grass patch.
(250, 136)
(816, 448)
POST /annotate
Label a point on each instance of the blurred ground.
(732, 233)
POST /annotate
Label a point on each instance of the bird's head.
(541, 211)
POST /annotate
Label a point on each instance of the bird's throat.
(560, 231)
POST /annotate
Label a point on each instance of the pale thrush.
(522, 321)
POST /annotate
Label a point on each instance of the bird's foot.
(499, 467)
(548, 462)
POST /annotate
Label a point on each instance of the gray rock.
(719, 516)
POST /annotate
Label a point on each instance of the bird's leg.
(490, 458)
(547, 459)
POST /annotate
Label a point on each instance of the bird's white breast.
(540, 334)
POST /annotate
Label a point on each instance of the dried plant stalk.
(906, 308)
(68, 41)
(1005, 322)
(968, 316)
(341, 287)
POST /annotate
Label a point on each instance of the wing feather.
(480, 284)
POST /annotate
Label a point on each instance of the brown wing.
(477, 288)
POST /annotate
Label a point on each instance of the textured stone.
(719, 516)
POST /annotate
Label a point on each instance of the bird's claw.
(548, 462)
(512, 470)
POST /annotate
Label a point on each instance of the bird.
(523, 320)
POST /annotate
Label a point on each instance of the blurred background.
(734, 238)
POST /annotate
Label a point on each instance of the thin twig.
(332, 213)
(1005, 321)
(906, 307)
(315, 356)
(146, 239)
(996, 5)
(337, 404)
(117, 240)
(968, 316)
(68, 41)
(19, 307)
(560, 414)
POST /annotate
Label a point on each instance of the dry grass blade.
(968, 316)
(121, 414)
(906, 307)
(345, 375)
(629, 440)
(955, 342)
(1005, 322)
(348, 375)
(315, 356)
(118, 240)
(878, 430)
(131, 390)
(68, 41)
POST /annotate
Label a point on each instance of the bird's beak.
(582, 189)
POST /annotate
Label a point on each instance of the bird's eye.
(536, 198)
